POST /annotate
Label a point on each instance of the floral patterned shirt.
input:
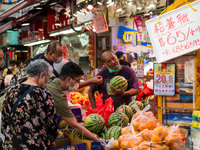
(33, 123)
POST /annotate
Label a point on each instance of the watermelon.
(113, 132)
(131, 104)
(126, 110)
(103, 135)
(119, 80)
(94, 123)
(147, 100)
(75, 134)
(118, 119)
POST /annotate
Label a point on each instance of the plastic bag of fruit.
(143, 119)
(173, 137)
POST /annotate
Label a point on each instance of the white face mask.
(58, 59)
(75, 88)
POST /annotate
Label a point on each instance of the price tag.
(164, 79)
(140, 68)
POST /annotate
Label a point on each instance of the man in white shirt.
(58, 66)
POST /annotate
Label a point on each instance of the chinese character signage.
(100, 23)
(140, 68)
(164, 79)
(176, 32)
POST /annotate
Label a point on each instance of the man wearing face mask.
(53, 54)
(113, 68)
(11, 67)
(68, 80)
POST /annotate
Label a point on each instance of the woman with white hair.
(28, 115)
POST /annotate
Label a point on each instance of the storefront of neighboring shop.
(34, 34)
(13, 49)
(80, 45)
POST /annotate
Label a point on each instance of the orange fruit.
(143, 120)
(142, 126)
(158, 124)
(146, 135)
(124, 145)
(157, 147)
(134, 147)
(144, 146)
(165, 147)
(136, 125)
(168, 140)
(166, 132)
(151, 125)
(116, 144)
(158, 131)
(155, 138)
(124, 130)
(174, 146)
(149, 114)
(136, 132)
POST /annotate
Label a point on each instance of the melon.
(94, 123)
(118, 119)
(116, 81)
(113, 132)
(147, 100)
(126, 110)
(140, 105)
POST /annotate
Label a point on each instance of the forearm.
(85, 83)
(131, 92)
(92, 99)
(86, 133)
(80, 129)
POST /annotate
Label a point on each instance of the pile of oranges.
(147, 133)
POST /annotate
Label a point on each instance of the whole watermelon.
(94, 123)
(140, 105)
(113, 132)
(147, 100)
(116, 81)
(118, 119)
(126, 110)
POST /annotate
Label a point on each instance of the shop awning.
(22, 4)
(5, 27)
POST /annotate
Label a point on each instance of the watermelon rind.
(116, 81)
(113, 132)
(118, 119)
(94, 123)
(140, 105)
(126, 110)
(147, 100)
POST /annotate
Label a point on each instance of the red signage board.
(58, 17)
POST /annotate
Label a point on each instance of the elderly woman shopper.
(28, 115)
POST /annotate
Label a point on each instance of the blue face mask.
(113, 71)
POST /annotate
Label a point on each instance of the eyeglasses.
(76, 80)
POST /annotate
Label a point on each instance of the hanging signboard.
(100, 23)
(140, 68)
(176, 32)
(129, 37)
(164, 79)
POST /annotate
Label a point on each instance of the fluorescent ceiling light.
(25, 24)
(99, 3)
(53, 3)
(65, 32)
(37, 42)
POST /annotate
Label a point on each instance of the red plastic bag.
(105, 110)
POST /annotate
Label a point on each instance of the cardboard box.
(69, 144)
